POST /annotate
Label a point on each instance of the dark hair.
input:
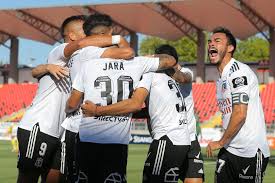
(167, 49)
(230, 38)
(96, 20)
(69, 20)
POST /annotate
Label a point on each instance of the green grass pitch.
(137, 155)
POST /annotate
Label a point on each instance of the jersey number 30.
(107, 93)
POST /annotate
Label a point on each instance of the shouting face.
(218, 48)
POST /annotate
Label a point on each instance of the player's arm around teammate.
(73, 103)
(123, 50)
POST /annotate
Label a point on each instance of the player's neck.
(223, 63)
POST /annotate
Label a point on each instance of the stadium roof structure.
(162, 18)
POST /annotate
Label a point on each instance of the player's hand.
(88, 109)
(213, 146)
(57, 71)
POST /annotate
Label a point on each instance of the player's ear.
(230, 48)
(72, 36)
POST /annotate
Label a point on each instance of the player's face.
(217, 47)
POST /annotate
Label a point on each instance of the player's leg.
(70, 165)
(27, 172)
(225, 168)
(114, 163)
(36, 154)
(164, 161)
(89, 156)
(54, 148)
(193, 171)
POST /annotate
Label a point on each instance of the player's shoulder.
(239, 68)
(58, 48)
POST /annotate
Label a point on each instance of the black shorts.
(103, 162)
(69, 162)
(164, 161)
(37, 150)
(231, 168)
(194, 166)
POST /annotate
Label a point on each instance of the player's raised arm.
(165, 61)
(181, 75)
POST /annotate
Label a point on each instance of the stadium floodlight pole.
(3, 38)
(42, 26)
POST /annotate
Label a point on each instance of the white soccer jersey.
(48, 106)
(89, 53)
(107, 81)
(238, 83)
(166, 107)
(186, 91)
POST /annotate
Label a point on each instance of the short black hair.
(167, 49)
(230, 37)
(69, 20)
(96, 20)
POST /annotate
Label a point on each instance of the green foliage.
(252, 49)
(186, 48)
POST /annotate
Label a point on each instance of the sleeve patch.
(238, 98)
(239, 81)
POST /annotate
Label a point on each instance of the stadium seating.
(14, 98)
(205, 100)
(268, 101)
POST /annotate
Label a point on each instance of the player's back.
(108, 81)
(167, 109)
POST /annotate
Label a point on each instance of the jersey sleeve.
(57, 54)
(78, 83)
(150, 64)
(146, 81)
(240, 85)
(91, 52)
(186, 70)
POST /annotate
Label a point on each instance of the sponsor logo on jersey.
(239, 81)
(244, 176)
(245, 170)
(116, 119)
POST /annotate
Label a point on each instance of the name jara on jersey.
(113, 66)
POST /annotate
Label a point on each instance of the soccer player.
(193, 170)
(167, 154)
(97, 24)
(104, 140)
(39, 129)
(244, 150)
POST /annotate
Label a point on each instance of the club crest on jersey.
(239, 81)
(113, 66)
